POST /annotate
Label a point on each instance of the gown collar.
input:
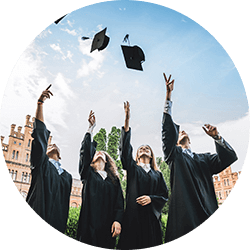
(146, 167)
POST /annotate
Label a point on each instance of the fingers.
(49, 86)
(165, 77)
(116, 229)
(209, 127)
(126, 105)
(169, 78)
(172, 82)
(143, 200)
(205, 130)
(47, 93)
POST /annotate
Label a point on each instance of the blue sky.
(208, 88)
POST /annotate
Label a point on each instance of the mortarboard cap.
(133, 56)
(100, 41)
(58, 20)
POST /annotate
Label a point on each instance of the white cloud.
(57, 48)
(92, 62)
(45, 33)
(57, 108)
(70, 23)
(71, 32)
(25, 85)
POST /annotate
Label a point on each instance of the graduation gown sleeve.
(223, 158)
(126, 150)
(170, 133)
(87, 153)
(159, 199)
(39, 144)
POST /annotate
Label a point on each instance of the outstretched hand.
(91, 119)
(169, 86)
(210, 130)
(127, 109)
(127, 115)
(45, 94)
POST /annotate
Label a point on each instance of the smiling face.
(53, 149)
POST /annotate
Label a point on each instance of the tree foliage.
(101, 139)
(110, 144)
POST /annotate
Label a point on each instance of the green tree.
(166, 174)
(101, 139)
(72, 223)
(113, 142)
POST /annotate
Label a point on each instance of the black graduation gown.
(141, 226)
(49, 192)
(193, 198)
(102, 201)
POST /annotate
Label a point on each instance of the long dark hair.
(111, 168)
(153, 164)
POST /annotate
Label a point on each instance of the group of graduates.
(102, 216)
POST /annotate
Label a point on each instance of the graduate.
(102, 199)
(193, 198)
(50, 187)
(146, 194)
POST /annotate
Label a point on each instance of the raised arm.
(127, 116)
(225, 155)
(40, 133)
(170, 131)
(88, 148)
(125, 148)
(39, 110)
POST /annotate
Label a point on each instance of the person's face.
(99, 155)
(183, 137)
(53, 149)
(144, 150)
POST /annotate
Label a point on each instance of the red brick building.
(17, 157)
(224, 182)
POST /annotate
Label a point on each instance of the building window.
(24, 177)
(228, 182)
(19, 143)
(220, 195)
(14, 142)
(17, 153)
(27, 157)
(14, 176)
(13, 154)
(225, 183)
(29, 143)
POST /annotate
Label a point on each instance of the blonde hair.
(153, 164)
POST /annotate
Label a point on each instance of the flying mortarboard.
(58, 20)
(100, 41)
(133, 55)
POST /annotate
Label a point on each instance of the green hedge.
(72, 224)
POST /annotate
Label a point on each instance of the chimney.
(19, 131)
(12, 129)
(27, 120)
